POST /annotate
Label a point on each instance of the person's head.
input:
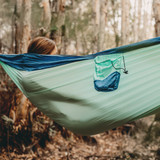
(42, 45)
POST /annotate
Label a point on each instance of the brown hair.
(42, 45)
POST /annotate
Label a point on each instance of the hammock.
(91, 94)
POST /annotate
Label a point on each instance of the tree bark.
(59, 33)
(100, 12)
(97, 6)
(114, 22)
(145, 22)
(46, 15)
(125, 25)
(103, 13)
(135, 22)
(156, 10)
(139, 20)
(26, 25)
(22, 106)
(18, 30)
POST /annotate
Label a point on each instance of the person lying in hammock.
(42, 45)
(39, 45)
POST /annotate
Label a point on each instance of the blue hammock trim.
(31, 62)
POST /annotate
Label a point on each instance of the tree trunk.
(125, 25)
(156, 10)
(26, 25)
(18, 30)
(103, 13)
(22, 106)
(100, 11)
(114, 22)
(145, 22)
(135, 22)
(58, 33)
(139, 20)
(97, 6)
(46, 15)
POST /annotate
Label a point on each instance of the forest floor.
(124, 143)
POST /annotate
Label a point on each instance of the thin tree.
(46, 17)
(156, 10)
(58, 30)
(22, 107)
(100, 12)
(125, 25)
(17, 20)
(26, 25)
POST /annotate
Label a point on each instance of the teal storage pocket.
(107, 72)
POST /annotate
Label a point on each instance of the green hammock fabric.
(67, 95)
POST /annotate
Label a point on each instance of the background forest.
(78, 27)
